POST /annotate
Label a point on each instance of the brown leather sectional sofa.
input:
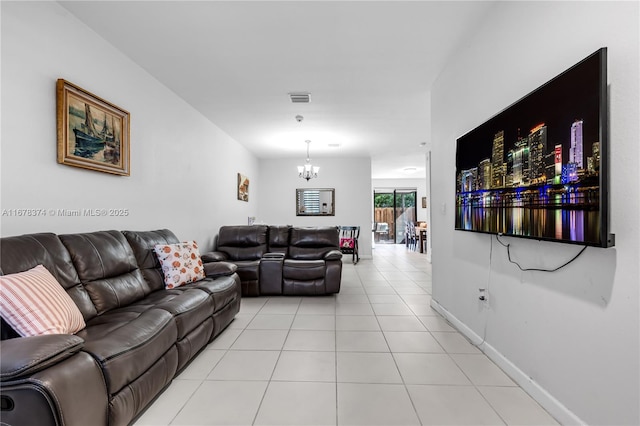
(282, 260)
(138, 335)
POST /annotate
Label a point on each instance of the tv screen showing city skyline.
(535, 169)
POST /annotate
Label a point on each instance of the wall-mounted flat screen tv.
(538, 169)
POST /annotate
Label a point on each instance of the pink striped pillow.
(34, 303)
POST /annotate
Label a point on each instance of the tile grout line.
(406, 389)
(266, 389)
(203, 380)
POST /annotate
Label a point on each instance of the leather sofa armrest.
(23, 356)
(333, 255)
(213, 256)
(219, 269)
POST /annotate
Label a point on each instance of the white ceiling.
(368, 67)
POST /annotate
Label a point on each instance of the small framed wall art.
(243, 187)
(92, 132)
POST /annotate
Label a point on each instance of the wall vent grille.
(300, 98)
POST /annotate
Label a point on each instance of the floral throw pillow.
(181, 263)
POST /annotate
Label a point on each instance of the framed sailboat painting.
(92, 133)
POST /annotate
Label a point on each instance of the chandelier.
(308, 171)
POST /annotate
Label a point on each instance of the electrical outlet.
(483, 294)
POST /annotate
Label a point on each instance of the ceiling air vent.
(300, 98)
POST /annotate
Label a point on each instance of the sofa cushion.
(313, 243)
(116, 292)
(98, 255)
(243, 242)
(107, 267)
(181, 263)
(127, 343)
(189, 308)
(23, 252)
(303, 269)
(279, 239)
(142, 244)
(224, 290)
(34, 303)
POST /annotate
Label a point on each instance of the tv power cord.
(508, 246)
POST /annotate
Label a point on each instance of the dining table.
(421, 233)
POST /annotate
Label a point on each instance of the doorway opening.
(393, 209)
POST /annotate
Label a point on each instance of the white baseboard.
(554, 407)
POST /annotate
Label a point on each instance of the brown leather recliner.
(244, 246)
(283, 260)
(314, 263)
(138, 335)
(42, 377)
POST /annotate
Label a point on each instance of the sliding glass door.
(393, 209)
(383, 217)
(405, 213)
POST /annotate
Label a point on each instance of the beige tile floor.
(375, 354)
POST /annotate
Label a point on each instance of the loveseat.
(136, 337)
(281, 260)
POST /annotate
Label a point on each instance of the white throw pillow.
(181, 263)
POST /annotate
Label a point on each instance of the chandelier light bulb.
(308, 171)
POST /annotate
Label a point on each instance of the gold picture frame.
(243, 187)
(92, 132)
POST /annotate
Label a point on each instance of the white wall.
(351, 178)
(183, 168)
(571, 338)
